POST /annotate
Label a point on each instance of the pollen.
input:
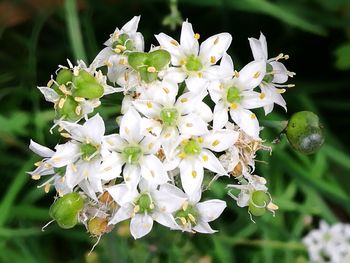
(126, 130)
(174, 42)
(47, 188)
(182, 155)
(200, 74)
(194, 174)
(49, 83)
(108, 64)
(61, 102)
(197, 36)
(36, 176)
(79, 99)
(167, 135)
(183, 100)
(280, 91)
(108, 168)
(166, 90)
(74, 168)
(200, 139)
(216, 40)
(215, 143)
(262, 95)
(149, 105)
(122, 61)
(151, 69)
(192, 218)
(184, 206)
(78, 110)
(257, 74)
(150, 146)
(212, 59)
(189, 125)
(183, 220)
(233, 106)
(205, 158)
(38, 163)
(253, 116)
(272, 206)
(236, 73)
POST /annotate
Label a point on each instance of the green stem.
(74, 31)
(279, 125)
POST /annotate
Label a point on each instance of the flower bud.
(66, 209)
(304, 132)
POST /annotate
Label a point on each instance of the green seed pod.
(66, 209)
(256, 211)
(260, 198)
(63, 76)
(158, 59)
(69, 109)
(137, 60)
(304, 132)
(86, 86)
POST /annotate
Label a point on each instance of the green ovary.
(233, 95)
(192, 147)
(268, 76)
(87, 150)
(189, 215)
(132, 154)
(193, 63)
(169, 116)
(124, 40)
(144, 203)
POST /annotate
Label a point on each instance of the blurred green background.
(38, 35)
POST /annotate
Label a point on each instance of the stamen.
(151, 69)
(197, 36)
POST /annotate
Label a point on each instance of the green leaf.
(15, 124)
(342, 54)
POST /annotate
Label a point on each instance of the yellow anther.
(215, 143)
(257, 74)
(194, 174)
(183, 220)
(290, 85)
(182, 62)
(236, 73)
(74, 168)
(152, 173)
(122, 61)
(79, 99)
(47, 165)
(149, 104)
(167, 135)
(47, 188)
(280, 91)
(166, 90)
(197, 36)
(192, 218)
(262, 95)
(216, 40)
(184, 206)
(151, 206)
(78, 110)
(126, 130)
(272, 206)
(108, 168)
(136, 208)
(121, 47)
(65, 135)
(183, 100)
(174, 42)
(49, 83)
(64, 90)
(189, 125)
(86, 173)
(233, 106)
(181, 155)
(200, 75)
(108, 64)
(151, 69)
(61, 102)
(184, 142)
(117, 50)
(212, 59)
(205, 158)
(38, 163)
(253, 116)
(150, 146)
(200, 139)
(36, 176)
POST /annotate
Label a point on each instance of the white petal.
(188, 43)
(226, 66)
(246, 120)
(204, 111)
(148, 108)
(211, 209)
(281, 75)
(88, 189)
(174, 74)
(165, 219)
(150, 144)
(122, 214)
(153, 170)
(219, 140)
(94, 129)
(73, 175)
(210, 162)
(258, 47)
(130, 126)
(213, 48)
(131, 26)
(196, 84)
(111, 166)
(172, 46)
(252, 99)
(166, 93)
(49, 94)
(192, 124)
(215, 90)
(187, 102)
(204, 227)
(140, 225)
(150, 127)
(114, 142)
(131, 174)
(40, 150)
(191, 172)
(220, 115)
(101, 58)
(122, 194)
(252, 74)
(65, 154)
(168, 198)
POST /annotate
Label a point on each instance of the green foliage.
(305, 188)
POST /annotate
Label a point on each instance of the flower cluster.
(186, 119)
(329, 244)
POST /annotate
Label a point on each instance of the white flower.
(193, 61)
(236, 95)
(276, 73)
(194, 216)
(114, 56)
(146, 206)
(195, 153)
(137, 151)
(328, 244)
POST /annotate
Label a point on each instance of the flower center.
(268, 76)
(169, 116)
(258, 203)
(122, 44)
(187, 216)
(193, 63)
(144, 204)
(192, 147)
(132, 154)
(87, 151)
(233, 95)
